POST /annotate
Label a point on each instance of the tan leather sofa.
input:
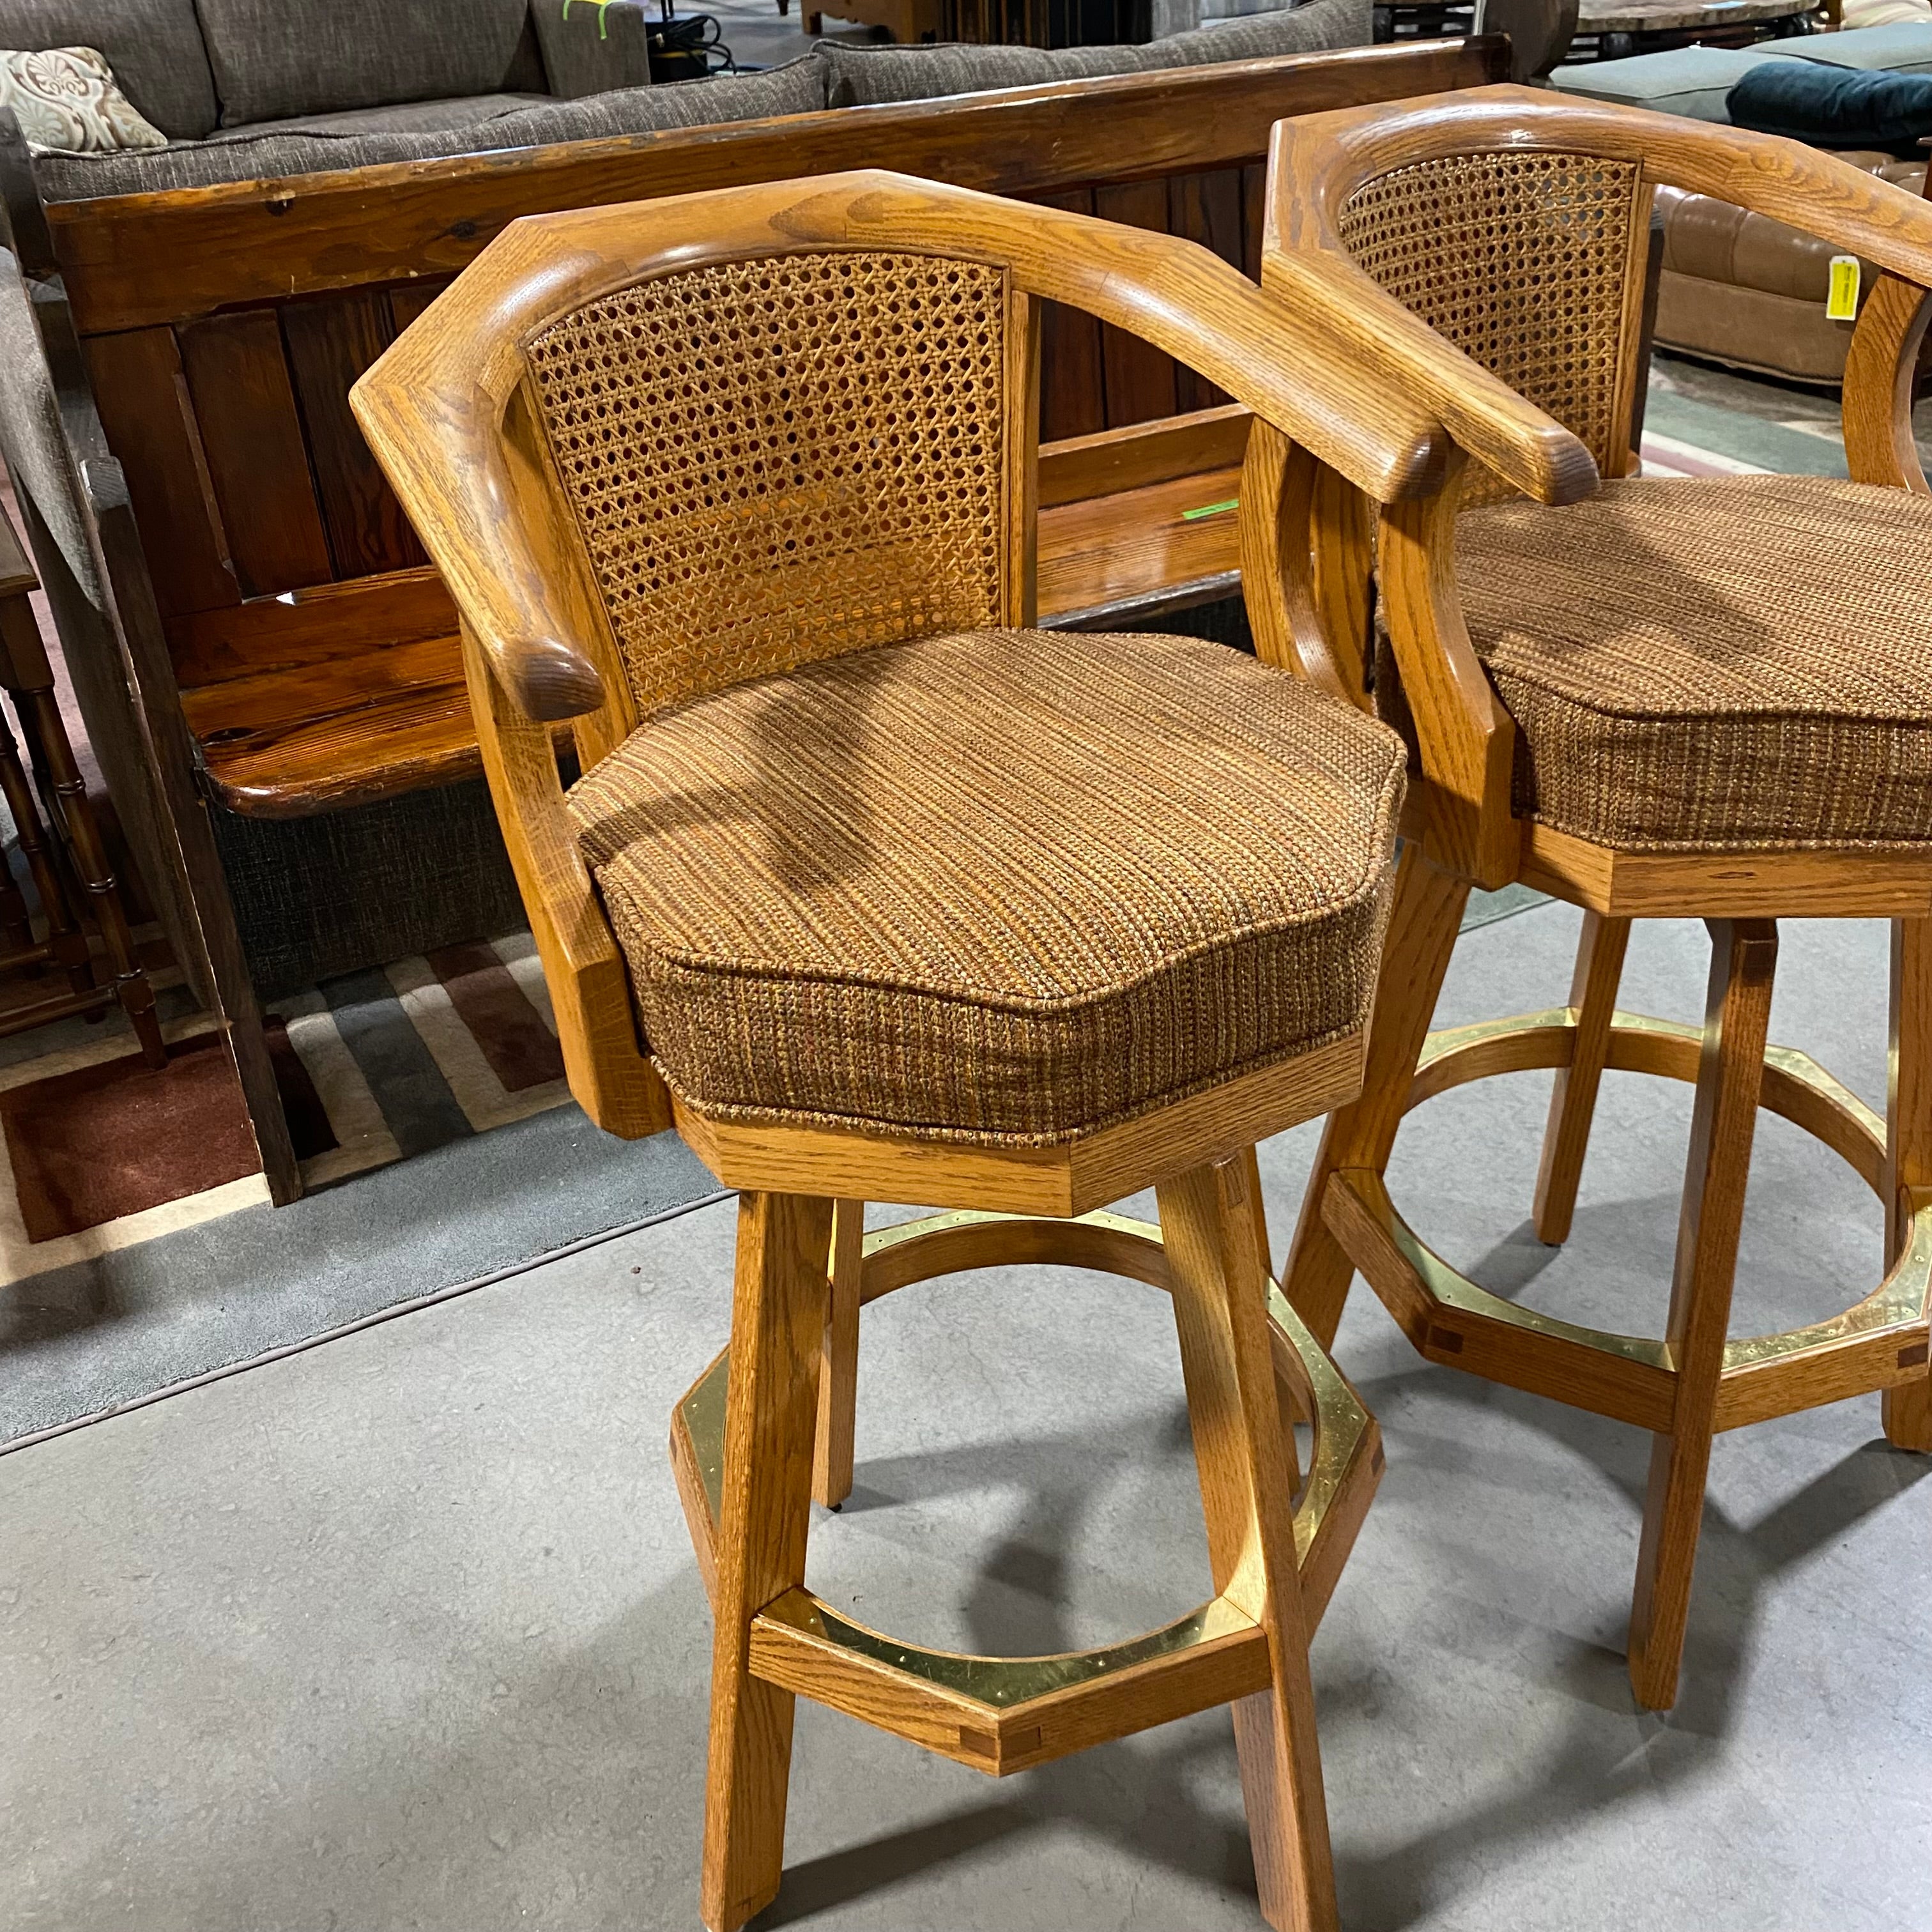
(1745, 290)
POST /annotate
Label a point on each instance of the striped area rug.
(100, 1152)
(1666, 456)
(385, 1063)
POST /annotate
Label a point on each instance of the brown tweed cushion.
(1740, 661)
(1000, 886)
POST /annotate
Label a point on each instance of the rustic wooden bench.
(286, 649)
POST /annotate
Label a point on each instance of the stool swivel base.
(1004, 1714)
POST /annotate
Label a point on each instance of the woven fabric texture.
(1738, 662)
(780, 461)
(1519, 259)
(1006, 887)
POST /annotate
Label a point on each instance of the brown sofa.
(1746, 291)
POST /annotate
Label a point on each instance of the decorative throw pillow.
(65, 99)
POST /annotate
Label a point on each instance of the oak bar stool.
(874, 891)
(1709, 698)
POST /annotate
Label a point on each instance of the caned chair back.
(1494, 243)
(772, 461)
(1531, 263)
(1515, 223)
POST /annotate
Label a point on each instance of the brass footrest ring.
(1002, 1714)
(1876, 1343)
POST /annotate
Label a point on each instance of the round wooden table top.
(1658, 17)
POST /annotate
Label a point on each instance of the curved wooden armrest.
(610, 1074)
(1524, 446)
(434, 406)
(1876, 410)
(442, 446)
(1317, 161)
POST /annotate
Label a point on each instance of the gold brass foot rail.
(1878, 1342)
(1002, 1714)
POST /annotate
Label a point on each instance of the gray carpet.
(115, 1329)
(406, 1630)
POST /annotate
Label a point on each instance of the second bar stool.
(1708, 698)
(874, 890)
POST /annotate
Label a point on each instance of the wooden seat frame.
(447, 411)
(1695, 1381)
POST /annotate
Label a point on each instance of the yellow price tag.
(1842, 304)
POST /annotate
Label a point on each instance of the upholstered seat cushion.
(1005, 886)
(1737, 661)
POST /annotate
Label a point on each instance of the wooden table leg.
(41, 720)
(1737, 1015)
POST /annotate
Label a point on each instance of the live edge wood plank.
(1071, 401)
(139, 259)
(309, 626)
(143, 397)
(330, 344)
(1137, 380)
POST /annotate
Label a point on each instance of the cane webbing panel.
(779, 460)
(1742, 662)
(1004, 887)
(1520, 260)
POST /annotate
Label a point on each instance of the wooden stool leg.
(1593, 994)
(1422, 926)
(1294, 1398)
(778, 1332)
(1208, 1217)
(1908, 1409)
(1737, 1014)
(839, 1373)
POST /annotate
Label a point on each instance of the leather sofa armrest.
(590, 47)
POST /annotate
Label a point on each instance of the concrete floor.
(405, 1631)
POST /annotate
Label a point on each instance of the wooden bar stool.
(873, 890)
(64, 849)
(1702, 697)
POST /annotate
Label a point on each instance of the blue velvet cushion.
(1834, 106)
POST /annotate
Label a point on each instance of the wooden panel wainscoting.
(244, 401)
(315, 652)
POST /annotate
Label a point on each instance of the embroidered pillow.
(65, 99)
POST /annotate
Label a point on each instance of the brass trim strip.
(1450, 1289)
(1001, 1683)
(1902, 1300)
